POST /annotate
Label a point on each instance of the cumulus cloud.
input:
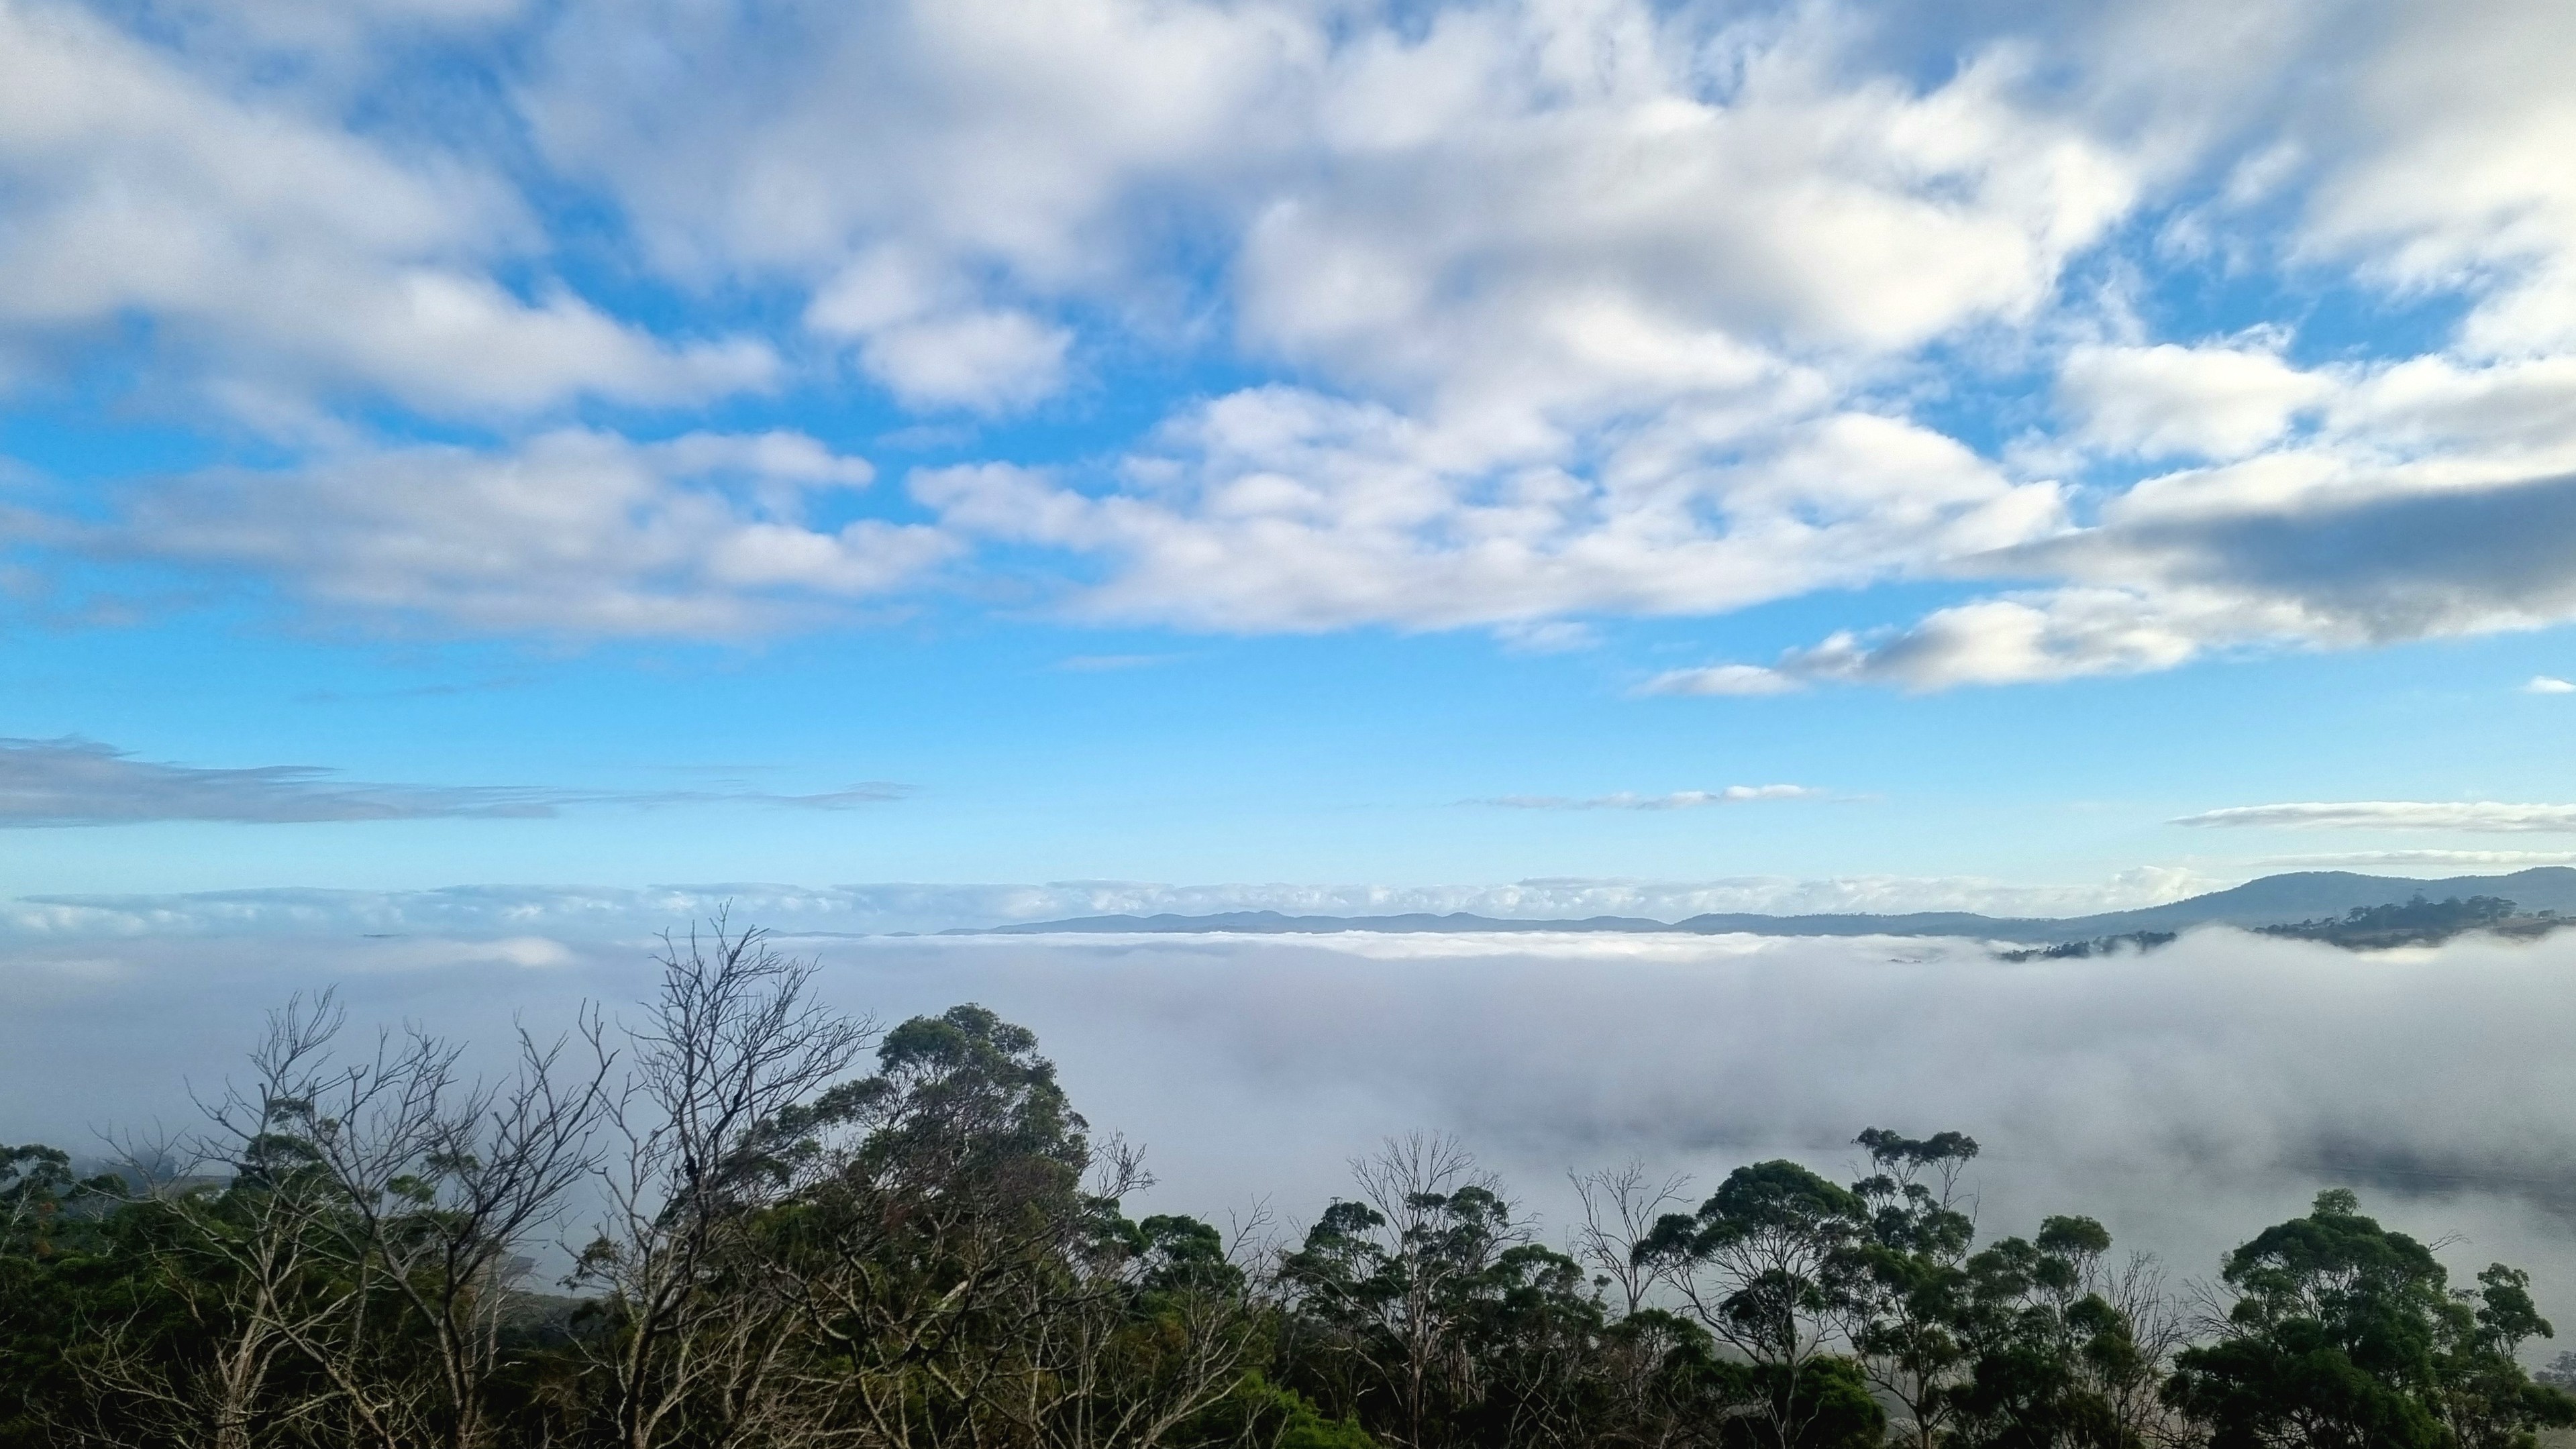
(1418, 215)
(2218, 402)
(1677, 800)
(70, 782)
(2447, 182)
(2380, 500)
(1281, 509)
(2480, 815)
(1521, 314)
(573, 532)
(2293, 549)
(282, 259)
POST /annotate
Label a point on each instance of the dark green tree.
(1911, 1291)
(2345, 1335)
(1769, 1264)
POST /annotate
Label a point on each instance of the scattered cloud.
(1520, 314)
(1678, 800)
(285, 260)
(76, 782)
(2211, 402)
(2548, 684)
(573, 532)
(1736, 679)
(2479, 816)
(2512, 859)
(1279, 509)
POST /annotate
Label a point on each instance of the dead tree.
(731, 1045)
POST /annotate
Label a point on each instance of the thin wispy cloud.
(76, 782)
(2548, 684)
(1724, 679)
(2509, 859)
(2480, 815)
(1112, 663)
(1677, 800)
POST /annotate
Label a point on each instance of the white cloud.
(1549, 310)
(1576, 207)
(1677, 800)
(2216, 402)
(280, 258)
(1536, 393)
(1280, 509)
(921, 334)
(2548, 684)
(2433, 859)
(2481, 815)
(1724, 679)
(572, 532)
(2452, 177)
(2436, 497)
(986, 359)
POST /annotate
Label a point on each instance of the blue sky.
(1284, 443)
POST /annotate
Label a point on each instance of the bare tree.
(2159, 1327)
(444, 1182)
(731, 1046)
(1621, 1206)
(249, 1264)
(374, 1217)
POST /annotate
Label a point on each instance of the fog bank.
(2186, 1097)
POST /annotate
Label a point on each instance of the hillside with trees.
(787, 1227)
(2421, 922)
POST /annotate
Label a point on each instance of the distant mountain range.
(2271, 901)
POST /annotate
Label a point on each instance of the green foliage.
(2347, 1334)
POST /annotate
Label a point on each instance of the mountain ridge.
(2266, 901)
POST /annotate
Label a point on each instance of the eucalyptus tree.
(1771, 1264)
(2343, 1334)
(1908, 1299)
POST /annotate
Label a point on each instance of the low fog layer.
(599, 911)
(2186, 1097)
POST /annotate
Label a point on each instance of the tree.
(731, 1050)
(2051, 1358)
(1769, 1264)
(959, 1270)
(1909, 1296)
(432, 1187)
(2345, 1335)
(1394, 1277)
